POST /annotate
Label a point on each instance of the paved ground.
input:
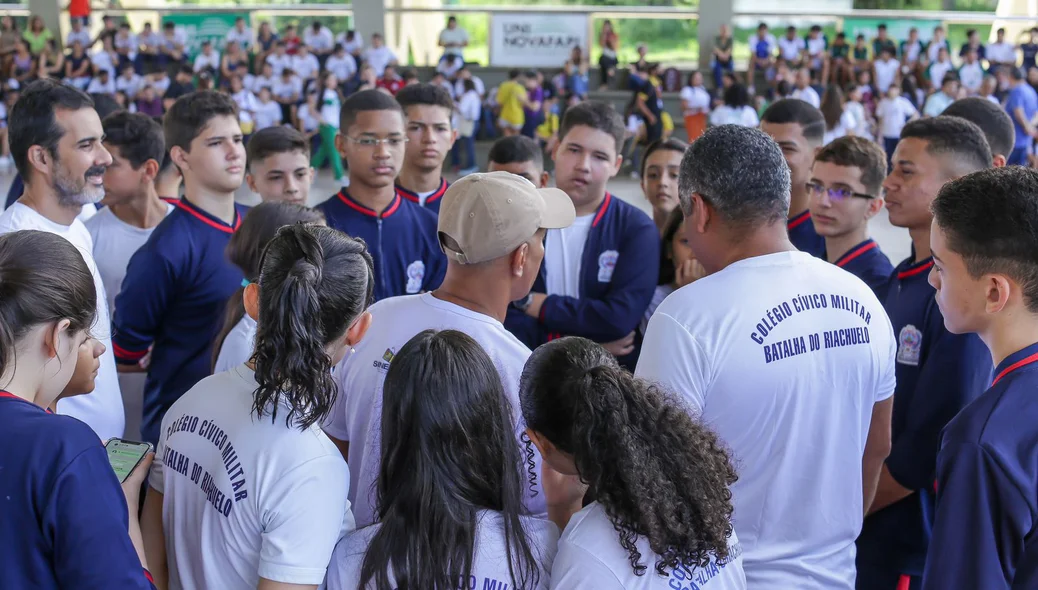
(894, 241)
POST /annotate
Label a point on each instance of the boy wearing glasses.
(845, 192)
(400, 235)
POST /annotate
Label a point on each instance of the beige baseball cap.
(486, 216)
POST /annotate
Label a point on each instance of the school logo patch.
(383, 364)
(909, 344)
(415, 276)
(606, 265)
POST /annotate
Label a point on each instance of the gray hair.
(741, 172)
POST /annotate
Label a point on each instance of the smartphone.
(125, 455)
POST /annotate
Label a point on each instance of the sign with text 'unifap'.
(536, 40)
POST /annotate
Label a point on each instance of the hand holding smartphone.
(125, 455)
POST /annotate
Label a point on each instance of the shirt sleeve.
(956, 370)
(981, 524)
(575, 568)
(86, 522)
(305, 515)
(630, 290)
(665, 340)
(141, 304)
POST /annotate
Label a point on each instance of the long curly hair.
(657, 472)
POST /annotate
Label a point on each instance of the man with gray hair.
(790, 359)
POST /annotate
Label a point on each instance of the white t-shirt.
(160, 84)
(458, 35)
(150, 40)
(938, 70)
(808, 95)
(893, 114)
(129, 43)
(115, 242)
(563, 253)
(971, 76)
(469, 107)
(238, 345)
(129, 86)
(790, 49)
(847, 123)
(306, 66)
(726, 115)
(459, 86)
(378, 58)
(358, 408)
(322, 40)
(101, 410)
(351, 46)
(96, 86)
(242, 38)
(661, 293)
(267, 114)
(261, 82)
(816, 45)
(246, 497)
(286, 89)
(698, 100)
(489, 561)
(591, 558)
(279, 62)
(1001, 53)
(203, 61)
(331, 106)
(886, 73)
(861, 120)
(784, 356)
(83, 36)
(307, 119)
(102, 60)
(912, 51)
(343, 67)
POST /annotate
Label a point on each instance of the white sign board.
(536, 40)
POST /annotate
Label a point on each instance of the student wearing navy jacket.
(66, 522)
(428, 109)
(178, 283)
(984, 246)
(599, 274)
(938, 373)
(799, 129)
(400, 235)
(846, 191)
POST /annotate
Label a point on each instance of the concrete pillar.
(369, 16)
(52, 13)
(712, 15)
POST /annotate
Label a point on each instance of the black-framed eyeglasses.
(836, 194)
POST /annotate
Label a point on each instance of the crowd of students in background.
(497, 382)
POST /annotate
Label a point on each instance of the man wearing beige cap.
(491, 227)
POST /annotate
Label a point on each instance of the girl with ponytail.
(450, 489)
(234, 344)
(248, 491)
(66, 521)
(646, 505)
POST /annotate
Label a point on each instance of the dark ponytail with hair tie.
(314, 283)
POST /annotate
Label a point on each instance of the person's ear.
(151, 170)
(518, 261)
(340, 144)
(52, 337)
(251, 181)
(356, 332)
(40, 159)
(250, 299)
(998, 161)
(544, 446)
(875, 206)
(454, 136)
(616, 165)
(545, 179)
(179, 157)
(313, 174)
(702, 213)
(999, 291)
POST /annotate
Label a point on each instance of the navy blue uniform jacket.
(432, 202)
(619, 272)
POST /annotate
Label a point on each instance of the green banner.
(897, 28)
(204, 27)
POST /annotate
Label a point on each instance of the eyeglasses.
(836, 194)
(373, 142)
